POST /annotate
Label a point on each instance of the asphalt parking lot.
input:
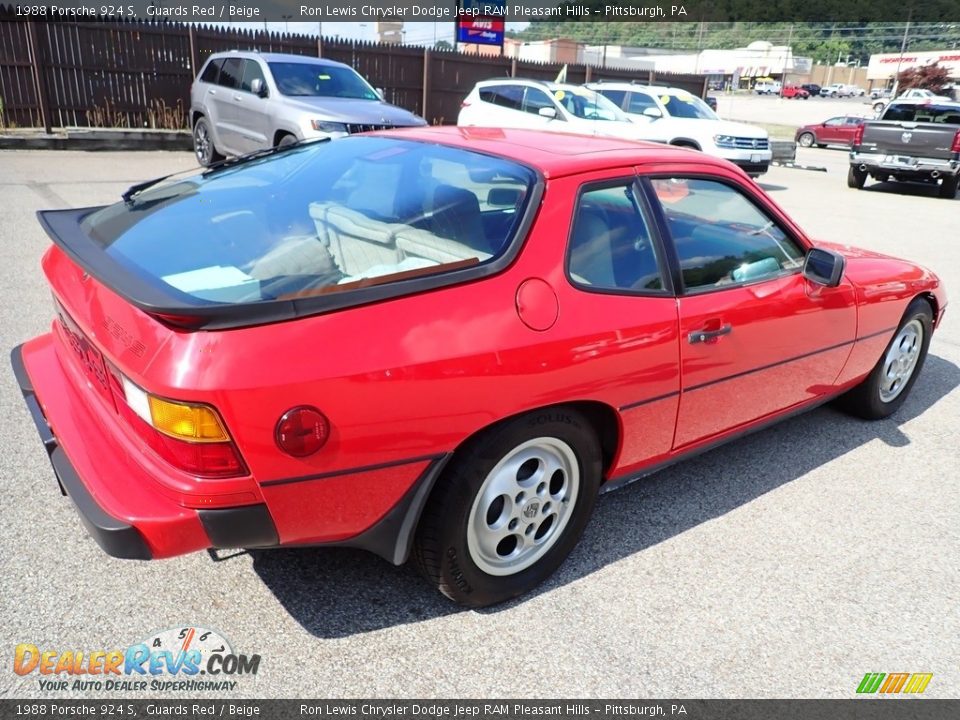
(785, 111)
(786, 564)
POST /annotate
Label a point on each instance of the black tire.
(455, 516)
(287, 140)
(948, 187)
(856, 177)
(866, 400)
(806, 139)
(204, 149)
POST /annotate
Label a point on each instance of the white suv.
(553, 107)
(675, 116)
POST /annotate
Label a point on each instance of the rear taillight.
(464, 104)
(955, 147)
(858, 135)
(189, 436)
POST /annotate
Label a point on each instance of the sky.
(415, 33)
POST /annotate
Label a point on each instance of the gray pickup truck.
(914, 140)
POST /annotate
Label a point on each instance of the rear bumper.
(922, 166)
(114, 496)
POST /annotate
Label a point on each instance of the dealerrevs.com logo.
(187, 659)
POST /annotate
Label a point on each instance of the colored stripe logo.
(884, 684)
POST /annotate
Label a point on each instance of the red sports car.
(439, 343)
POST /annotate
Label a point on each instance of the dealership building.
(883, 68)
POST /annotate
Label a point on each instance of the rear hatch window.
(924, 112)
(315, 227)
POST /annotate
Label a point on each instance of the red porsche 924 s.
(439, 343)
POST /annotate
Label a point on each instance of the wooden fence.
(137, 74)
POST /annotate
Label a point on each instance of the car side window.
(611, 246)
(534, 99)
(854, 120)
(508, 96)
(615, 96)
(834, 122)
(230, 72)
(251, 72)
(639, 102)
(211, 73)
(721, 237)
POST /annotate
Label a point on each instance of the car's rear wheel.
(886, 388)
(948, 187)
(856, 177)
(510, 507)
(203, 146)
(806, 139)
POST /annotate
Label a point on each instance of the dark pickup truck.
(912, 140)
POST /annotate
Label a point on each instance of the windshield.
(688, 106)
(588, 105)
(317, 219)
(302, 79)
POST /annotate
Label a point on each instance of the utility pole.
(903, 48)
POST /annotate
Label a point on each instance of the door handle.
(704, 335)
(212, 92)
(238, 98)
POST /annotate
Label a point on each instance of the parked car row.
(637, 112)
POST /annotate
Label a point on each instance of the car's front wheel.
(806, 140)
(510, 507)
(203, 147)
(886, 388)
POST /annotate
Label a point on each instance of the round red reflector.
(301, 431)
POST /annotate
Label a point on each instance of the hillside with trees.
(824, 42)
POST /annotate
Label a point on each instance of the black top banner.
(215, 11)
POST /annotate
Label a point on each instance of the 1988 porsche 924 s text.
(439, 343)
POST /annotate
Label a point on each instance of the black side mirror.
(824, 267)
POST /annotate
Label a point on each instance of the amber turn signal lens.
(301, 431)
(185, 421)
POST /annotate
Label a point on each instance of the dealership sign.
(887, 65)
(481, 22)
(482, 32)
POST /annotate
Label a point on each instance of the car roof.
(661, 89)
(275, 57)
(554, 154)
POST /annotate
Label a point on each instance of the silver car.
(247, 101)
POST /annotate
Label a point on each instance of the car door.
(756, 337)
(503, 106)
(533, 100)
(224, 113)
(252, 112)
(849, 128)
(831, 131)
(620, 315)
